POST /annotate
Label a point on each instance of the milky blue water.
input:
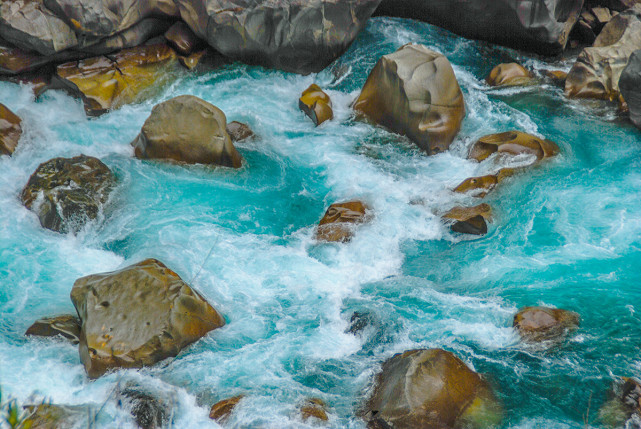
(566, 234)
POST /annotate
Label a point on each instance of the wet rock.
(624, 404)
(470, 220)
(340, 218)
(536, 324)
(187, 129)
(106, 83)
(541, 26)
(430, 389)
(67, 326)
(514, 143)
(50, 416)
(478, 186)
(221, 411)
(193, 60)
(181, 38)
(557, 77)
(300, 36)
(66, 193)
(138, 316)
(238, 131)
(414, 92)
(314, 408)
(598, 68)
(316, 104)
(10, 130)
(511, 74)
(358, 322)
(148, 411)
(15, 61)
(630, 86)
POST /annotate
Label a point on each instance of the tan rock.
(239, 131)
(187, 129)
(414, 92)
(338, 223)
(192, 61)
(314, 408)
(511, 74)
(515, 143)
(316, 104)
(221, 411)
(536, 324)
(478, 186)
(10, 130)
(470, 220)
(138, 316)
(557, 77)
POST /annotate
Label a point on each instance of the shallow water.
(566, 234)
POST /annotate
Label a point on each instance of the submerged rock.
(414, 92)
(470, 220)
(514, 143)
(238, 131)
(630, 86)
(316, 104)
(314, 408)
(66, 193)
(301, 36)
(148, 411)
(623, 405)
(598, 68)
(221, 411)
(511, 74)
(138, 316)
(66, 326)
(541, 26)
(536, 324)
(50, 416)
(430, 389)
(187, 129)
(109, 82)
(10, 130)
(338, 223)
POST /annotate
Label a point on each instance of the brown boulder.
(316, 104)
(10, 130)
(478, 186)
(181, 38)
(430, 389)
(66, 326)
(66, 193)
(338, 223)
(314, 407)
(543, 323)
(511, 74)
(221, 411)
(238, 131)
(138, 316)
(515, 143)
(414, 92)
(187, 129)
(106, 83)
(470, 220)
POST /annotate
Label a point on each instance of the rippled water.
(566, 234)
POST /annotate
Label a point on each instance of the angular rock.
(624, 403)
(187, 129)
(67, 326)
(138, 316)
(238, 131)
(630, 86)
(106, 83)
(541, 26)
(181, 38)
(340, 218)
(66, 193)
(430, 389)
(470, 220)
(10, 130)
(602, 15)
(301, 36)
(598, 68)
(314, 408)
(511, 74)
(414, 92)
(536, 324)
(316, 104)
(221, 411)
(515, 143)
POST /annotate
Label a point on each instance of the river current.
(566, 233)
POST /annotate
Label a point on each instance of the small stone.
(478, 186)
(66, 326)
(511, 74)
(337, 224)
(470, 220)
(314, 407)
(239, 131)
(316, 104)
(222, 410)
(536, 324)
(557, 77)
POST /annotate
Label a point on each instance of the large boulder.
(187, 129)
(430, 389)
(541, 26)
(138, 316)
(106, 83)
(301, 36)
(66, 326)
(536, 324)
(630, 86)
(337, 225)
(414, 92)
(514, 143)
(597, 70)
(10, 130)
(66, 193)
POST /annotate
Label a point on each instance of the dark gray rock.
(630, 87)
(148, 411)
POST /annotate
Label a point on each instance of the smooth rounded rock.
(66, 193)
(514, 143)
(511, 74)
(221, 411)
(536, 324)
(181, 38)
(431, 389)
(414, 92)
(138, 316)
(314, 408)
(316, 104)
(337, 225)
(478, 186)
(187, 129)
(10, 130)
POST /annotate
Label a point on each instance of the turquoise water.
(567, 234)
